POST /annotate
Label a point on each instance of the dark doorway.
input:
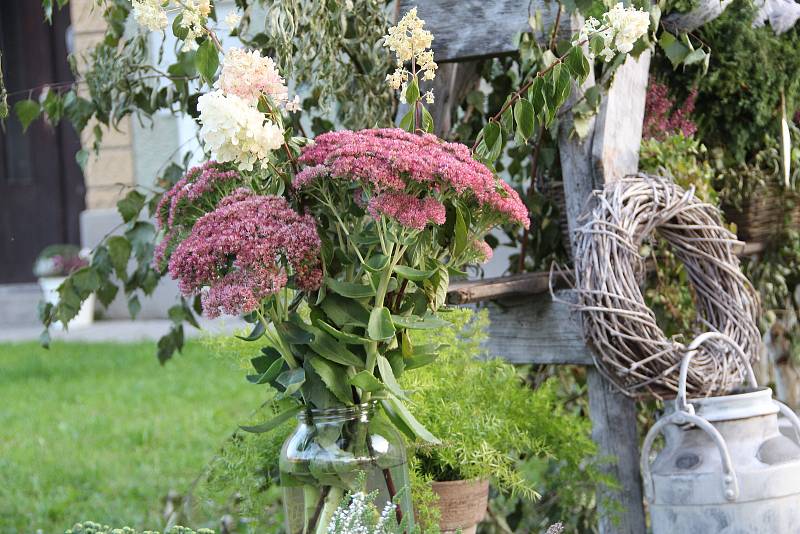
(41, 185)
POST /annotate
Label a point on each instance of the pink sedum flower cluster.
(389, 160)
(236, 255)
(662, 118)
(409, 211)
(198, 190)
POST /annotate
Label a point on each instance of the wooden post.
(609, 152)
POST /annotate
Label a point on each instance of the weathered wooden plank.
(467, 29)
(465, 292)
(706, 11)
(618, 133)
(584, 164)
(620, 508)
(535, 329)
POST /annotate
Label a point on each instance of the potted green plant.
(490, 421)
(53, 265)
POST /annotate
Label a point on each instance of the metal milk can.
(725, 466)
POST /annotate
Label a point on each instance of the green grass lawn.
(103, 432)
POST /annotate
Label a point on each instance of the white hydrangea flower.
(248, 74)
(149, 14)
(235, 131)
(620, 29)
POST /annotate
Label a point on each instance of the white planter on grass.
(85, 317)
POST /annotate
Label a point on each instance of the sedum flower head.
(391, 160)
(248, 75)
(233, 130)
(238, 254)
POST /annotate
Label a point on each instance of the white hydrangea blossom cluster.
(248, 74)
(358, 517)
(152, 15)
(410, 41)
(236, 131)
(233, 128)
(620, 29)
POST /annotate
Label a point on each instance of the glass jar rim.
(342, 412)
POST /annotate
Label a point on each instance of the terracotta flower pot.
(462, 503)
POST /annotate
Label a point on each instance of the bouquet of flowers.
(333, 248)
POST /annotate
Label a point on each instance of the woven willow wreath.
(630, 349)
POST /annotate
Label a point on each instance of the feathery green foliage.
(488, 419)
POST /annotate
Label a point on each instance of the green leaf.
(141, 237)
(675, 50)
(395, 409)
(179, 31)
(294, 334)
(335, 378)
(274, 422)
(119, 250)
(78, 110)
(577, 64)
(130, 206)
(107, 292)
(420, 360)
(376, 263)
(407, 122)
(461, 231)
(380, 327)
(525, 117)
(327, 347)
(415, 322)
(366, 381)
(269, 375)
(207, 60)
(134, 306)
(53, 106)
(345, 312)
(415, 275)
(387, 375)
(412, 92)
(344, 337)
(491, 135)
(536, 97)
(256, 333)
(27, 111)
(427, 120)
(291, 380)
(169, 343)
(350, 290)
(695, 56)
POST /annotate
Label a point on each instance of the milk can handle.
(730, 483)
(789, 414)
(680, 401)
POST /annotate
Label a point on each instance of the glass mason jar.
(339, 450)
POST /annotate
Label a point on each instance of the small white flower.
(620, 29)
(293, 105)
(232, 20)
(149, 14)
(429, 97)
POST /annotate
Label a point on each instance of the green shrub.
(739, 99)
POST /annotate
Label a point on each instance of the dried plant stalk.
(629, 347)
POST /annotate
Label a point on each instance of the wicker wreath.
(630, 349)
